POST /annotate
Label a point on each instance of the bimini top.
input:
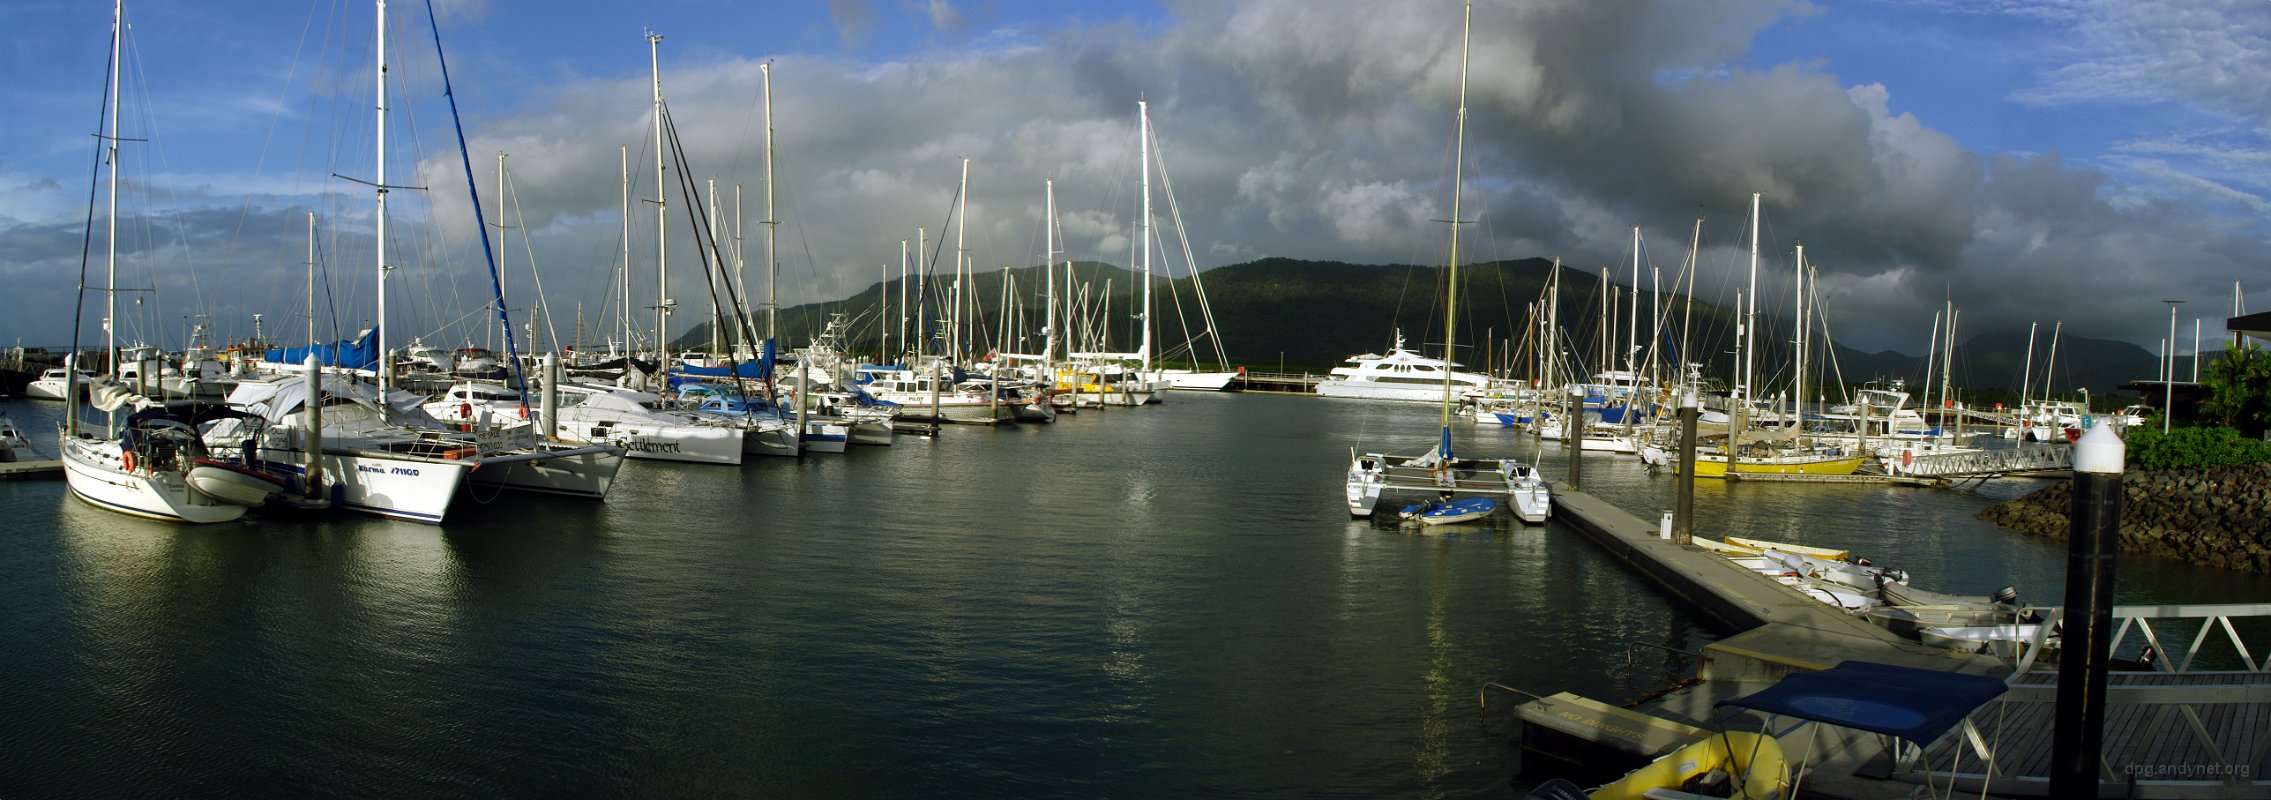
(1914, 704)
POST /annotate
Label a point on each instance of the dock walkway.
(30, 470)
(2187, 734)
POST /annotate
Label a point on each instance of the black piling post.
(1683, 512)
(1573, 437)
(2077, 742)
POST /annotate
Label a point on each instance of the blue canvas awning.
(1913, 704)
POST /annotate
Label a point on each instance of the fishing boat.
(1440, 471)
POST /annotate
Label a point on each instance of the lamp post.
(2168, 377)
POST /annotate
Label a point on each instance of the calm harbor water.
(1129, 603)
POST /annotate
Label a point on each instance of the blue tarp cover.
(761, 369)
(361, 353)
(1914, 704)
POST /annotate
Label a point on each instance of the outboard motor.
(2006, 596)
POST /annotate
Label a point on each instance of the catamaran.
(1439, 471)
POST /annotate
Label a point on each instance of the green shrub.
(2148, 448)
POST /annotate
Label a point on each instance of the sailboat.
(1742, 457)
(384, 454)
(144, 467)
(1439, 470)
(1127, 379)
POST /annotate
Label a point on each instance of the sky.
(2052, 161)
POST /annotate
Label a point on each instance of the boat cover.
(761, 369)
(1914, 704)
(359, 353)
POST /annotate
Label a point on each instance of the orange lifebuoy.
(524, 412)
(1907, 457)
(465, 410)
(128, 458)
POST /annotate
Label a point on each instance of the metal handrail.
(1482, 699)
(2139, 617)
(2225, 774)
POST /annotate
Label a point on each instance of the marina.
(1102, 627)
(1013, 522)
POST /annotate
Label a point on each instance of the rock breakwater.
(2212, 516)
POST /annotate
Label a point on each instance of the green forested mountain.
(1313, 314)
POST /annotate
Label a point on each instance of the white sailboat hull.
(698, 444)
(1197, 381)
(414, 489)
(96, 475)
(572, 471)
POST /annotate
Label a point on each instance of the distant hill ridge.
(1313, 314)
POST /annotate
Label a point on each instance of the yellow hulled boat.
(1753, 765)
(1716, 465)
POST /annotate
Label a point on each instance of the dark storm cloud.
(1322, 130)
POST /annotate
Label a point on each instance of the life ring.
(465, 410)
(524, 412)
(1907, 457)
(127, 458)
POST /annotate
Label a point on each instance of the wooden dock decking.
(2224, 738)
(2182, 734)
(30, 470)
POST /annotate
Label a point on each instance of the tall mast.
(2050, 369)
(386, 357)
(110, 281)
(712, 272)
(1798, 382)
(1750, 312)
(902, 296)
(922, 298)
(624, 153)
(2026, 373)
(1687, 314)
(1143, 227)
(772, 219)
(1451, 292)
(661, 212)
(502, 251)
(1948, 358)
(1049, 269)
(311, 280)
(961, 294)
(1632, 320)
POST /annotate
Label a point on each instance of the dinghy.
(1445, 512)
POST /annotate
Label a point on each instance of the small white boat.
(1447, 512)
(234, 483)
(13, 445)
(1846, 575)
(1972, 638)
